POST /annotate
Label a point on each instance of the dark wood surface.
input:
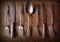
(34, 38)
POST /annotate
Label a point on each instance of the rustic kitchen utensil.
(44, 20)
(29, 11)
(28, 30)
(12, 17)
(6, 18)
(50, 28)
(21, 27)
(36, 26)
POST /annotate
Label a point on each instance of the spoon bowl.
(29, 8)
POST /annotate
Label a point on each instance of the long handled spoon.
(30, 11)
(50, 28)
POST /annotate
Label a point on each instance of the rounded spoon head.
(7, 28)
(21, 28)
(30, 10)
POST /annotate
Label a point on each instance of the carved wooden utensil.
(6, 18)
(36, 30)
(21, 27)
(13, 17)
(29, 11)
(44, 20)
(50, 28)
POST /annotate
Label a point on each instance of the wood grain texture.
(34, 37)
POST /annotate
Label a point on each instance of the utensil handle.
(21, 11)
(20, 20)
(37, 16)
(11, 29)
(6, 13)
(28, 30)
(43, 34)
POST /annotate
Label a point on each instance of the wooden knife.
(44, 20)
